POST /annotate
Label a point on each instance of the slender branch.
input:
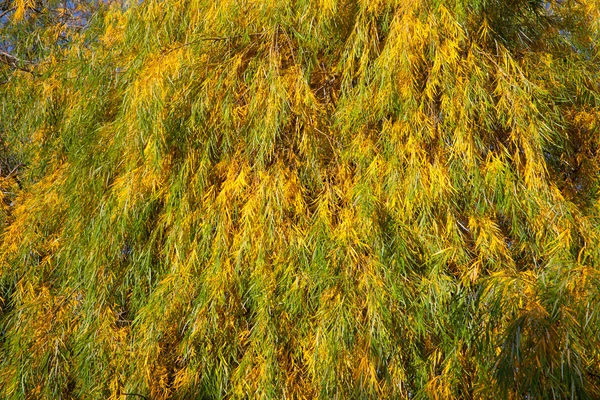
(14, 170)
(14, 62)
(6, 12)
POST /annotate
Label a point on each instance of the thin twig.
(6, 12)
(14, 62)
(14, 170)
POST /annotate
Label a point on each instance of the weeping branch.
(14, 62)
(4, 13)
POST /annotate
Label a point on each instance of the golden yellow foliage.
(308, 199)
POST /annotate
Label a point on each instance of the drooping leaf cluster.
(33, 31)
(306, 199)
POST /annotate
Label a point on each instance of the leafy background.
(300, 199)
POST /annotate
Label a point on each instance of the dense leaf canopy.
(300, 199)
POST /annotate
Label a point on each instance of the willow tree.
(306, 199)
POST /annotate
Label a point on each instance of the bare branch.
(14, 62)
(6, 12)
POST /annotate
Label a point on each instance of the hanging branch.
(14, 62)
(6, 12)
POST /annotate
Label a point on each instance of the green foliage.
(307, 199)
(32, 30)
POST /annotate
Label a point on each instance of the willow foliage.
(305, 199)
